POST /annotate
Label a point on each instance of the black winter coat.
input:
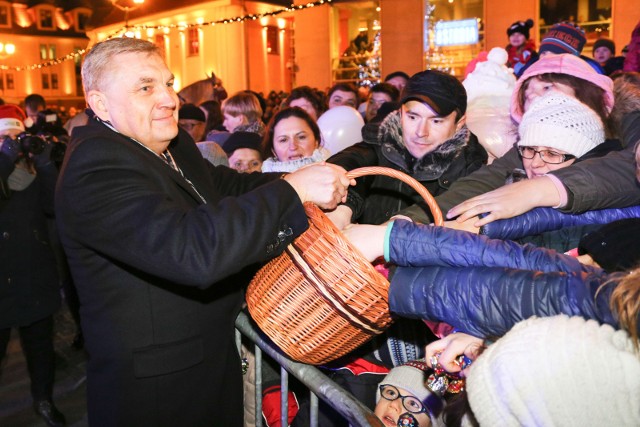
(153, 266)
(29, 288)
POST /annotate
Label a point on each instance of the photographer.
(29, 288)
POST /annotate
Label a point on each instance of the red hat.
(11, 117)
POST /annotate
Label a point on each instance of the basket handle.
(413, 183)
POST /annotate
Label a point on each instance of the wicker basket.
(321, 298)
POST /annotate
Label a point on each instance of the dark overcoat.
(29, 287)
(153, 265)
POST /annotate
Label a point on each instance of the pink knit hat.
(562, 64)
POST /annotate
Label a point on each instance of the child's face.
(535, 88)
(390, 410)
(602, 54)
(517, 39)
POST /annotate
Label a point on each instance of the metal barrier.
(318, 383)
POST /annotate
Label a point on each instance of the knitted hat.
(614, 246)
(521, 27)
(191, 112)
(562, 371)
(562, 122)
(241, 139)
(562, 64)
(11, 118)
(411, 377)
(564, 37)
(491, 78)
(442, 92)
(609, 44)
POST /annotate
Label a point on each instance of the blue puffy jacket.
(540, 220)
(482, 286)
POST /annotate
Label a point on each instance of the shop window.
(54, 81)
(273, 46)
(45, 81)
(193, 38)
(593, 16)
(5, 15)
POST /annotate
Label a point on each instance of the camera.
(31, 144)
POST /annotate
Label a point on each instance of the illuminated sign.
(460, 32)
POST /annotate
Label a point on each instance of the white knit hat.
(412, 377)
(562, 122)
(557, 371)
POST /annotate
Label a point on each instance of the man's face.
(139, 100)
(340, 97)
(423, 130)
(375, 102)
(195, 128)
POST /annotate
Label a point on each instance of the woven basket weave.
(321, 298)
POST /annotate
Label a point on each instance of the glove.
(44, 158)
(10, 148)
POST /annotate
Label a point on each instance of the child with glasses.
(403, 399)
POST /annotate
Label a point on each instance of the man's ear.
(98, 103)
(461, 122)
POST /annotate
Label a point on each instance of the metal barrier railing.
(319, 384)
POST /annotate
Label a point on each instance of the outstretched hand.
(323, 183)
(507, 201)
(448, 349)
(368, 239)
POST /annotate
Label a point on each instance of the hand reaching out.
(507, 201)
(450, 348)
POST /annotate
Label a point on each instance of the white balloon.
(341, 127)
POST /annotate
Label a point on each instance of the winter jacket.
(29, 287)
(621, 191)
(540, 220)
(376, 198)
(632, 60)
(519, 56)
(482, 286)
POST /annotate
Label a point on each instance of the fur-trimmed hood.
(388, 135)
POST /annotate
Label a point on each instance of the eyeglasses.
(547, 156)
(410, 403)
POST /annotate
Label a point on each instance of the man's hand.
(323, 183)
(369, 239)
(507, 201)
(44, 158)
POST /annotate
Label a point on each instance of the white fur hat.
(562, 122)
(557, 371)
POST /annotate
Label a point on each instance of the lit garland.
(181, 27)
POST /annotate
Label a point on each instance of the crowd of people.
(152, 215)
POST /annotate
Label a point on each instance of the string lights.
(167, 28)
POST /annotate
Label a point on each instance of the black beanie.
(615, 246)
(521, 27)
(609, 44)
(191, 112)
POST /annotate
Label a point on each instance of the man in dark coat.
(153, 235)
(426, 138)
